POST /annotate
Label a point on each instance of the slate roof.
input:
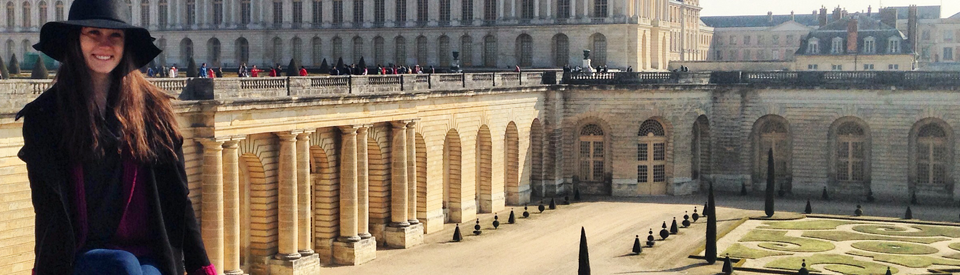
(924, 12)
(866, 27)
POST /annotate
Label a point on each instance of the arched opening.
(524, 50)
(489, 51)
(484, 194)
(400, 53)
(652, 158)
(316, 52)
(256, 218)
(186, 53)
(277, 55)
(296, 47)
(700, 149)
(771, 132)
(466, 51)
(379, 186)
(243, 50)
(213, 52)
(536, 162)
(931, 169)
(357, 49)
(422, 51)
(849, 161)
(591, 159)
(511, 162)
(421, 147)
(561, 50)
(598, 51)
(326, 198)
(444, 54)
(451, 178)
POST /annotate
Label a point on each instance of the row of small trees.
(39, 69)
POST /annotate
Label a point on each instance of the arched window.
(357, 49)
(144, 12)
(337, 48)
(11, 48)
(893, 45)
(444, 51)
(466, 50)
(772, 134)
(58, 13)
(162, 58)
(186, 52)
(489, 51)
(26, 49)
(162, 14)
(652, 158)
(813, 46)
(869, 45)
(10, 16)
(700, 148)
(933, 158)
(245, 12)
(316, 53)
(213, 52)
(277, 50)
(217, 13)
(490, 10)
(524, 48)
(243, 50)
(378, 50)
(851, 156)
(422, 50)
(561, 50)
(591, 153)
(296, 46)
(42, 11)
(191, 12)
(26, 14)
(526, 9)
(836, 45)
(400, 51)
(599, 52)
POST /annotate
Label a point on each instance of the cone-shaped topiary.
(888, 271)
(803, 268)
(768, 204)
(513, 218)
(704, 209)
(324, 67)
(39, 70)
(525, 213)
(4, 73)
(727, 266)
(650, 240)
(663, 231)
(695, 216)
(14, 67)
(576, 194)
(743, 189)
(476, 228)
(636, 245)
(340, 64)
(293, 68)
(824, 196)
(584, 268)
(540, 207)
(686, 220)
(456, 234)
(710, 249)
(909, 214)
(808, 209)
(553, 204)
(362, 64)
(192, 70)
(858, 212)
(673, 227)
(913, 198)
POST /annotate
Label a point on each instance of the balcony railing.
(913, 79)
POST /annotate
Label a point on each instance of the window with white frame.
(836, 45)
(948, 53)
(893, 45)
(812, 67)
(867, 67)
(813, 46)
(869, 45)
(836, 67)
(893, 66)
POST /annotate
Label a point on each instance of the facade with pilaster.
(644, 34)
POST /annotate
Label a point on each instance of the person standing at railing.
(104, 156)
(210, 73)
(242, 71)
(173, 71)
(254, 72)
(273, 72)
(203, 70)
(219, 72)
(516, 69)
(303, 71)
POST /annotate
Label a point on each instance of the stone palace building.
(644, 34)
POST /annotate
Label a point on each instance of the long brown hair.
(147, 123)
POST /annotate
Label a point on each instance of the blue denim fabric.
(113, 262)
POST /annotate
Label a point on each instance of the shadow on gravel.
(675, 269)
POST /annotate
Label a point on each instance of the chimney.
(869, 10)
(837, 14)
(770, 16)
(852, 29)
(888, 16)
(823, 17)
(912, 27)
(792, 17)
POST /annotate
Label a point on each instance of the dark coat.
(180, 246)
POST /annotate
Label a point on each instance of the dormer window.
(894, 45)
(869, 45)
(836, 46)
(813, 46)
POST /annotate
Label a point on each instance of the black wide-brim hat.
(105, 14)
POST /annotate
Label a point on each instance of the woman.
(104, 157)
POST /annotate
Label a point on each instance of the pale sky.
(761, 7)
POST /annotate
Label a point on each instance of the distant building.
(857, 43)
(758, 37)
(939, 43)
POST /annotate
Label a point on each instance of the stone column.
(398, 187)
(231, 208)
(211, 212)
(412, 172)
(304, 197)
(363, 184)
(287, 196)
(348, 185)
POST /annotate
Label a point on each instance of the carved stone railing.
(831, 79)
(172, 86)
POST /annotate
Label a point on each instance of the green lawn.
(901, 230)
(834, 262)
(908, 261)
(740, 251)
(955, 246)
(806, 225)
(895, 248)
(853, 236)
(776, 240)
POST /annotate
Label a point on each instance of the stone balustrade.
(862, 79)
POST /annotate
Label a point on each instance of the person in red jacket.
(273, 72)
(254, 72)
(303, 71)
(210, 73)
(104, 156)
